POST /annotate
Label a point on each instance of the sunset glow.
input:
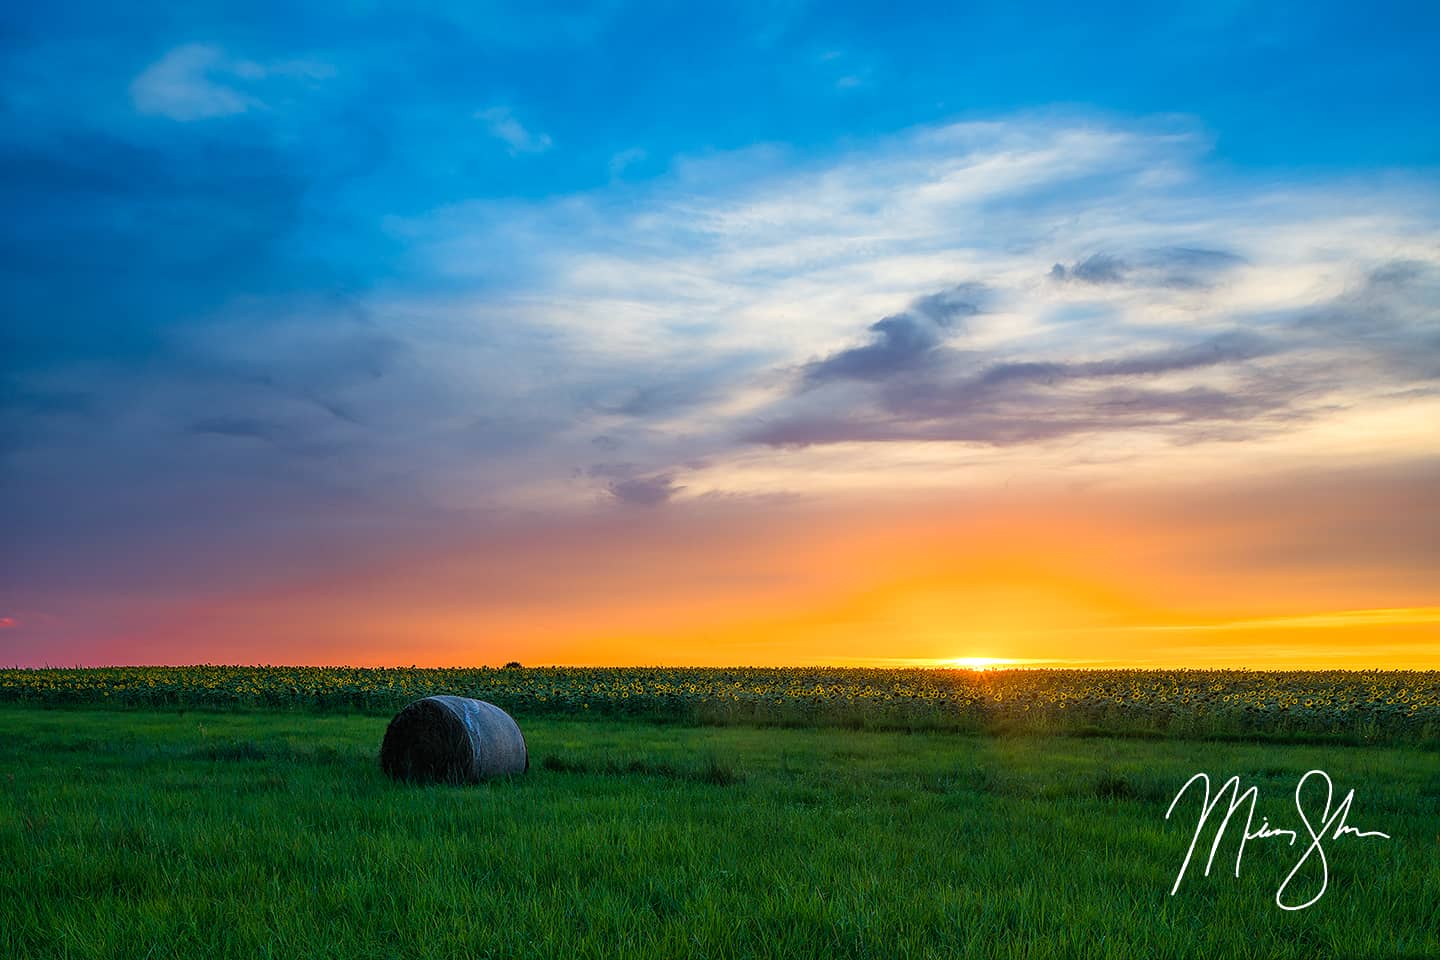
(313, 356)
(978, 663)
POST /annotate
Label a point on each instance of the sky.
(771, 333)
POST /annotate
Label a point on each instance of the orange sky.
(1047, 387)
(1304, 570)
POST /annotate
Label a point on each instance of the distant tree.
(512, 665)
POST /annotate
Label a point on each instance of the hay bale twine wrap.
(453, 740)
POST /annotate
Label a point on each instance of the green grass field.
(134, 834)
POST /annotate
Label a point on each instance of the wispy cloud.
(842, 66)
(756, 325)
(903, 343)
(260, 325)
(928, 392)
(504, 126)
(199, 82)
(644, 491)
(1103, 282)
(1167, 267)
(622, 161)
(1330, 620)
(194, 82)
(627, 484)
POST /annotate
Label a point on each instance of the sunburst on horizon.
(978, 663)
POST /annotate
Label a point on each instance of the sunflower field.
(1351, 706)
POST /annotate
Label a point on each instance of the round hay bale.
(452, 740)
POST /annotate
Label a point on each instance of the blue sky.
(281, 285)
(292, 137)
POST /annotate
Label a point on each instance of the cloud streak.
(201, 82)
(957, 396)
(747, 329)
(504, 126)
(649, 491)
(904, 342)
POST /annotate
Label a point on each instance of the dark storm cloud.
(903, 342)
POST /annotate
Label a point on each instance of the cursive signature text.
(1330, 825)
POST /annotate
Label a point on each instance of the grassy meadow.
(154, 833)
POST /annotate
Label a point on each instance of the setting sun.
(978, 663)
